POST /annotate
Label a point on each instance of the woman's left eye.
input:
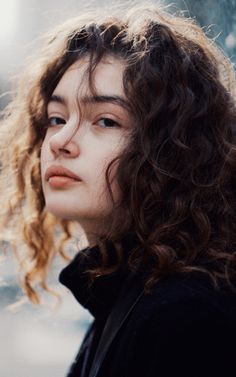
(107, 123)
(56, 121)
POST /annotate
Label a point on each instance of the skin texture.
(84, 136)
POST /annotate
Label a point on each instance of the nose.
(63, 142)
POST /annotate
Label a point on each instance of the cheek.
(100, 177)
(44, 157)
(44, 151)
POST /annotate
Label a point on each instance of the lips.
(60, 171)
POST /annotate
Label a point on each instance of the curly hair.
(177, 174)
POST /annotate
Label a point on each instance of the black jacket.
(184, 327)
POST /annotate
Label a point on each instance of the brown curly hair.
(177, 175)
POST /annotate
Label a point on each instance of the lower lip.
(57, 181)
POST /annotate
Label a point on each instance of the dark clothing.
(184, 327)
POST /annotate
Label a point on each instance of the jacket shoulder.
(184, 312)
(188, 297)
(181, 325)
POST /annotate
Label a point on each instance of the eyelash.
(62, 121)
(115, 124)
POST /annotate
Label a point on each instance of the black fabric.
(129, 296)
(184, 327)
(99, 297)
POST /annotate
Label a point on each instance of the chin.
(70, 210)
(60, 212)
(68, 213)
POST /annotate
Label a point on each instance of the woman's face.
(84, 133)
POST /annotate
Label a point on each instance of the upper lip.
(59, 170)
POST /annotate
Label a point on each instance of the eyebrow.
(116, 100)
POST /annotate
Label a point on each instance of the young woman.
(124, 125)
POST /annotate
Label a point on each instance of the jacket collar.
(129, 296)
(100, 296)
(110, 298)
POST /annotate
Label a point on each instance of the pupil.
(108, 122)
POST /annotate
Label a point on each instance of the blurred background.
(43, 341)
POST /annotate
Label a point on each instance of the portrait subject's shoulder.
(178, 301)
(185, 328)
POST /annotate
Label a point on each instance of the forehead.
(107, 78)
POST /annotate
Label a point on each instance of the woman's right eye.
(55, 121)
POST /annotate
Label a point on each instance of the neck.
(93, 232)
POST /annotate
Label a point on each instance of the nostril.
(63, 146)
(64, 150)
